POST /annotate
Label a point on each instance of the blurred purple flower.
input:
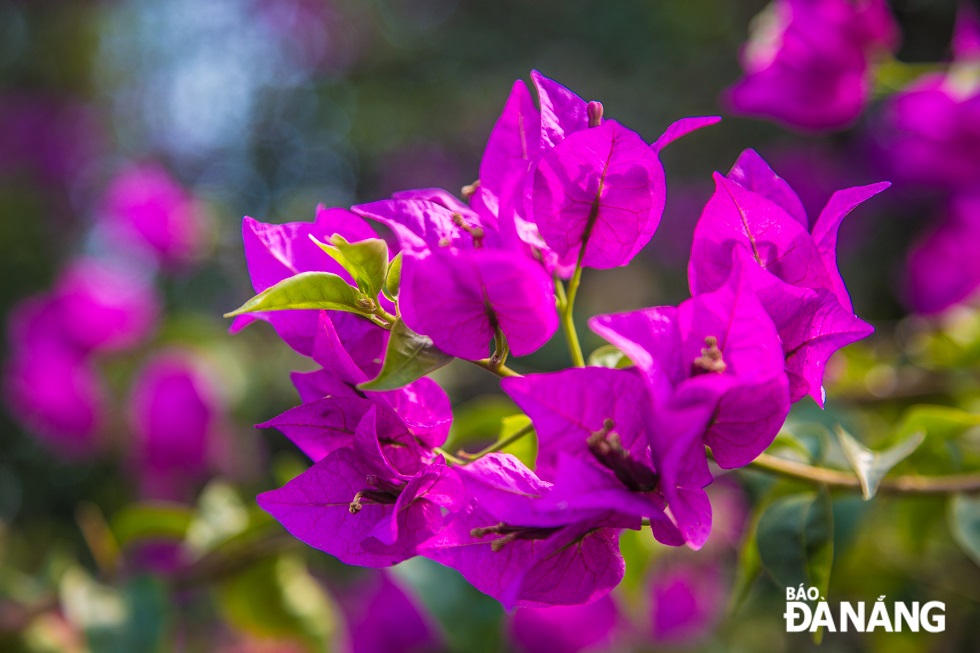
(56, 394)
(686, 601)
(145, 207)
(943, 267)
(808, 62)
(383, 618)
(52, 139)
(176, 414)
(565, 628)
(929, 133)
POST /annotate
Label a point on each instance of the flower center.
(475, 232)
(377, 491)
(711, 359)
(607, 447)
(510, 533)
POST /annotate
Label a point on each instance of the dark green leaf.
(307, 290)
(871, 466)
(393, 279)
(964, 522)
(795, 538)
(409, 356)
(365, 260)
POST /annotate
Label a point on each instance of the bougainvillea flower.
(176, 415)
(511, 180)
(460, 298)
(520, 554)
(686, 601)
(943, 267)
(101, 307)
(565, 628)
(927, 132)
(598, 196)
(430, 218)
(718, 350)
(278, 251)
(754, 219)
(422, 404)
(146, 207)
(405, 625)
(58, 396)
(356, 505)
(594, 443)
(808, 63)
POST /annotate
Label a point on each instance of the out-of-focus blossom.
(930, 132)
(144, 206)
(686, 601)
(58, 396)
(176, 415)
(102, 307)
(383, 618)
(808, 63)
(316, 34)
(943, 267)
(50, 139)
(565, 628)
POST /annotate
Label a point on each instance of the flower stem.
(498, 445)
(500, 370)
(448, 456)
(834, 478)
(566, 307)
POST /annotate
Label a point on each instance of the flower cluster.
(561, 188)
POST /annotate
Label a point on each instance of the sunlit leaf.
(393, 279)
(307, 290)
(277, 597)
(477, 422)
(409, 356)
(221, 515)
(151, 520)
(871, 466)
(525, 448)
(608, 356)
(964, 522)
(365, 260)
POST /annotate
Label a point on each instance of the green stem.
(834, 478)
(566, 306)
(500, 370)
(500, 349)
(498, 445)
(448, 456)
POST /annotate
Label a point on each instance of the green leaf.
(393, 279)
(477, 422)
(116, 620)
(871, 466)
(277, 597)
(307, 290)
(526, 447)
(609, 356)
(795, 538)
(151, 520)
(938, 422)
(964, 522)
(409, 356)
(747, 567)
(365, 260)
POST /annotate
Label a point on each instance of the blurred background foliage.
(268, 107)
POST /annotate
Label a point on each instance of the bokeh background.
(128, 461)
